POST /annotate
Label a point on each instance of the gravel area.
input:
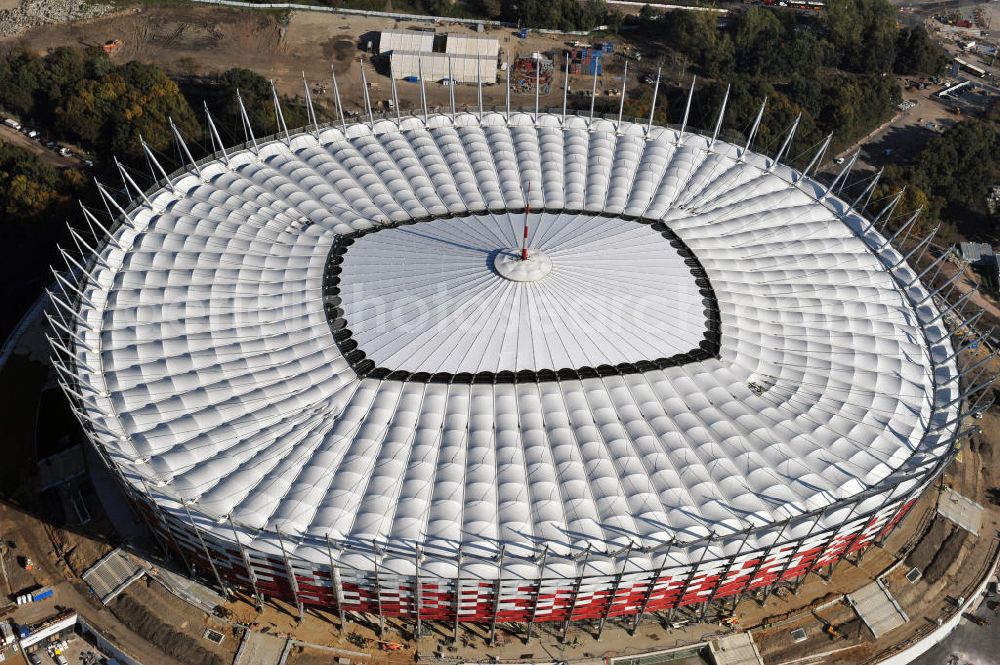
(30, 13)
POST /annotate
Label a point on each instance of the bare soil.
(161, 620)
(198, 41)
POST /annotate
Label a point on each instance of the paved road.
(972, 644)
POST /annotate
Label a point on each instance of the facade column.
(538, 592)
(498, 589)
(204, 547)
(337, 584)
(293, 583)
(690, 577)
(576, 592)
(651, 588)
(378, 592)
(458, 594)
(251, 575)
(614, 591)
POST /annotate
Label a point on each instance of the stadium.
(506, 367)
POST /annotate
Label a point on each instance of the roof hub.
(509, 264)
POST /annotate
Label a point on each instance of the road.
(972, 644)
(16, 138)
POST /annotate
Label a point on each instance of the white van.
(13, 124)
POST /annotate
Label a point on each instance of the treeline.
(834, 67)
(81, 97)
(951, 178)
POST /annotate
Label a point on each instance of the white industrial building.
(435, 67)
(405, 40)
(462, 44)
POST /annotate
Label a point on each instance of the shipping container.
(42, 594)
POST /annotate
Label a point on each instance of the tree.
(917, 53)
(757, 41)
(258, 101)
(132, 101)
(863, 33)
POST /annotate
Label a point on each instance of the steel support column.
(204, 547)
(538, 592)
(337, 584)
(614, 591)
(497, 590)
(378, 591)
(251, 575)
(293, 583)
(652, 586)
(575, 594)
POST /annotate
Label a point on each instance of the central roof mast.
(524, 240)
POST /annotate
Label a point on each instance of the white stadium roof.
(222, 379)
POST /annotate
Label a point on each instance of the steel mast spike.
(66, 286)
(907, 224)
(110, 201)
(155, 162)
(887, 210)
(687, 109)
(922, 245)
(65, 329)
(336, 98)
(527, 211)
(183, 146)
(507, 84)
(81, 245)
(129, 181)
(213, 133)
(817, 158)
(368, 101)
(247, 127)
(652, 106)
(786, 144)
(279, 116)
(310, 111)
(869, 190)
(538, 86)
(479, 89)
(565, 90)
(395, 95)
(423, 90)
(593, 98)
(722, 114)
(842, 175)
(753, 130)
(451, 91)
(92, 219)
(621, 102)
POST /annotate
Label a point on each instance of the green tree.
(917, 53)
(757, 41)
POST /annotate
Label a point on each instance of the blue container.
(24, 631)
(42, 594)
(412, 79)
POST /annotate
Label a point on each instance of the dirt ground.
(16, 138)
(195, 41)
(173, 625)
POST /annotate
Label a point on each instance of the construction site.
(88, 579)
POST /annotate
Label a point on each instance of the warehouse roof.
(405, 40)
